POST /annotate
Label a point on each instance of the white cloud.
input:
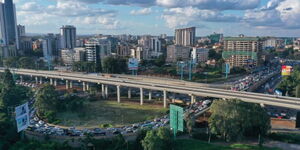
(277, 13)
(202, 4)
(144, 11)
(67, 12)
(30, 6)
(211, 4)
(190, 16)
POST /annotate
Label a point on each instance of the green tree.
(10, 96)
(7, 80)
(26, 63)
(141, 134)
(11, 62)
(289, 83)
(114, 65)
(46, 100)
(297, 92)
(157, 140)
(160, 61)
(212, 54)
(234, 119)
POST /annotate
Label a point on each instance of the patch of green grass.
(250, 147)
(285, 137)
(187, 144)
(110, 112)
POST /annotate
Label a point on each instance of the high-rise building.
(185, 37)
(155, 47)
(10, 21)
(48, 47)
(68, 37)
(8, 28)
(69, 56)
(51, 46)
(26, 45)
(21, 30)
(80, 54)
(97, 49)
(215, 38)
(123, 49)
(152, 45)
(242, 51)
(199, 55)
(178, 53)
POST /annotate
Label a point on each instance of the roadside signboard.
(176, 118)
(133, 64)
(227, 68)
(22, 117)
(286, 70)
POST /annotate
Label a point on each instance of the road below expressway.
(161, 84)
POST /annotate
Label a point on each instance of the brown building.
(123, 50)
(242, 51)
(178, 53)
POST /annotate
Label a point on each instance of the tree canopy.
(46, 100)
(157, 139)
(114, 65)
(234, 119)
(289, 83)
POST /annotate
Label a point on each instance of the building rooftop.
(241, 39)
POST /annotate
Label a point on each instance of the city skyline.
(231, 17)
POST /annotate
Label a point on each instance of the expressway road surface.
(169, 85)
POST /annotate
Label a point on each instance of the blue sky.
(138, 17)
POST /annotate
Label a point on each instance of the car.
(116, 132)
(41, 122)
(98, 132)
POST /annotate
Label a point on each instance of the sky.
(138, 17)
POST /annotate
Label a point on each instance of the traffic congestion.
(37, 125)
(245, 83)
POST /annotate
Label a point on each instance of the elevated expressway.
(156, 84)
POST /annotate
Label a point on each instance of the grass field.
(186, 144)
(98, 113)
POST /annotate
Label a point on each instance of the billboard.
(286, 70)
(133, 64)
(21, 110)
(22, 122)
(22, 116)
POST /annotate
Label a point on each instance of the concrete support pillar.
(103, 90)
(193, 99)
(150, 95)
(71, 84)
(41, 80)
(51, 81)
(142, 95)
(36, 80)
(55, 82)
(165, 99)
(83, 87)
(129, 93)
(118, 94)
(87, 86)
(21, 79)
(67, 84)
(106, 91)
